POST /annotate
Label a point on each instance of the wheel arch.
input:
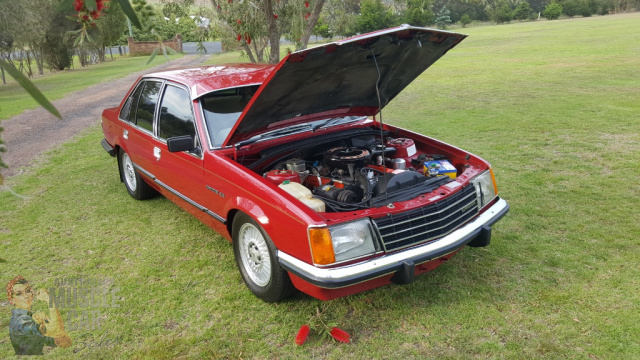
(118, 149)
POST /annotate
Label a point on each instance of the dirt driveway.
(34, 132)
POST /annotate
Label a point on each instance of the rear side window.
(176, 117)
(147, 104)
(128, 111)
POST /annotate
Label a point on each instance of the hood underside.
(340, 78)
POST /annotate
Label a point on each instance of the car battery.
(440, 168)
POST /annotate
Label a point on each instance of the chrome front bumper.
(402, 263)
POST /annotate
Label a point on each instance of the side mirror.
(180, 143)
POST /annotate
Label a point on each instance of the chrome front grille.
(429, 222)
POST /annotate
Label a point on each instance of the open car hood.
(339, 78)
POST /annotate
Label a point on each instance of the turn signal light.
(321, 246)
(493, 179)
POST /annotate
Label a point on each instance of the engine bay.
(359, 172)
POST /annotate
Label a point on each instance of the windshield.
(222, 109)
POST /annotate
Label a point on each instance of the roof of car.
(205, 79)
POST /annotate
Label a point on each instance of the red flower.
(99, 5)
(303, 333)
(239, 22)
(307, 16)
(248, 38)
(86, 17)
(340, 335)
(306, 4)
(275, 16)
(239, 37)
(78, 4)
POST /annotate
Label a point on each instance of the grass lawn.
(14, 100)
(553, 105)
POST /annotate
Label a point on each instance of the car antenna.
(384, 166)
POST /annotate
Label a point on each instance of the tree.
(443, 18)
(537, 5)
(418, 13)
(552, 11)
(322, 29)
(252, 25)
(522, 11)
(177, 8)
(341, 16)
(57, 48)
(111, 27)
(374, 15)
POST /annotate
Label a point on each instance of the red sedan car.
(293, 164)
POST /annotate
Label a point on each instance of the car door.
(179, 173)
(138, 115)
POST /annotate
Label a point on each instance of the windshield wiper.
(325, 123)
(278, 132)
(341, 120)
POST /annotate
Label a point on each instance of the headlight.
(342, 242)
(351, 240)
(486, 188)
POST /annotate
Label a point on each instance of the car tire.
(135, 184)
(256, 259)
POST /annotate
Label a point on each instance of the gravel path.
(34, 132)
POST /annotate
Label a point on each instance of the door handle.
(156, 152)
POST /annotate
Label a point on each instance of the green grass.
(553, 105)
(14, 100)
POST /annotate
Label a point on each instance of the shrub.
(589, 7)
(571, 8)
(465, 20)
(552, 11)
(605, 7)
(502, 13)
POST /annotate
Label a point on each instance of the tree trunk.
(37, 56)
(311, 25)
(249, 52)
(274, 33)
(28, 68)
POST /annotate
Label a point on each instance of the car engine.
(360, 173)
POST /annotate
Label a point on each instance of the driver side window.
(176, 117)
